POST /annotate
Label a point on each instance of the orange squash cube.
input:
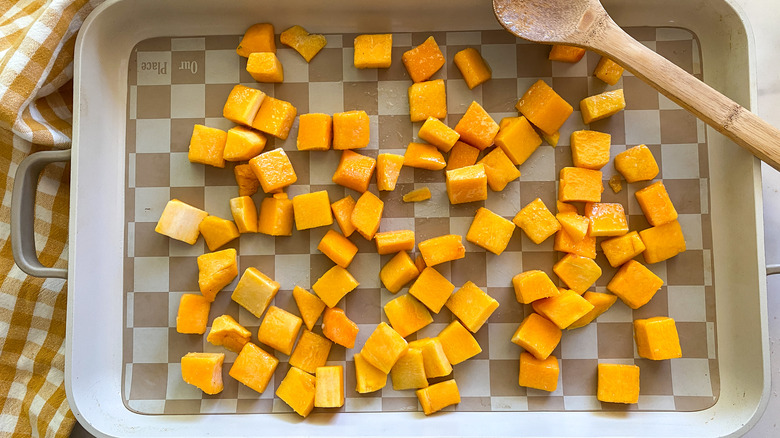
(621, 249)
(586, 247)
(467, 184)
(538, 374)
(472, 66)
(203, 370)
(312, 210)
(398, 271)
(254, 367)
(472, 306)
(499, 169)
(354, 171)
(373, 51)
(180, 221)
(563, 207)
(338, 248)
(390, 242)
(601, 303)
(518, 139)
(275, 117)
(432, 289)
(579, 273)
(193, 314)
(476, 127)
(298, 390)
(227, 332)
(217, 231)
(255, 291)
(351, 130)
(279, 329)
(246, 180)
(442, 249)
(383, 347)
(342, 211)
(309, 305)
(578, 184)
(635, 284)
(662, 242)
(602, 105)
(305, 43)
(242, 104)
(244, 214)
(657, 338)
(417, 195)
(490, 231)
(424, 60)
(311, 352)
(419, 262)
(423, 156)
(334, 284)
(637, 164)
(563, 53)
(618, 383)
(563, 309)
(533, 285)
(435, 361)
(243, 144)
(615, 184)
(215, 271)
(258, 38)
(369, 378)
(537, 335)
(536, 220)
(462, 155)
(438, 396)
(543, 107)
(407, 315)
(552, 139)
(655, 203)
(574, 225)
(207, 146)
(367, 214)
(590, 149)
(458, 343)
(427, 99)
(315, 132)
(265, 67)
(388, 169)
(435, 132)
(338, 328)
(329, 387)
(274, 170)
(608, 71)
(606, 219)
(409, 371)
(276, 215)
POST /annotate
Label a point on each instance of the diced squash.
(602, 105)
(338, 328)
(351, 130)
(243, 144)
(334, 284)
(432, 289)
(472, 66)
(390, 242)
(419, 262)
(383, 347)
(467, 184)
(244, 214)
(657, 338)
(615, 184)
(315, 132)
(265, 67)
(538, 374)
(276, 215)
(279, 329)
(499, 169)
(462, 155)
(398, 271)
(606, 219)
(338, 248)
(342, 211)
(309, 305)
(255, 291)
(563, 53)
(242, 104)
(579, 273)
(180, 221)
(578, 184)
(354, 171)
(574, 225)
(601, 303)
(423, 156)
(275, 117)
(207, 146)
(637, 164)
(590, 149)
(424, 60)
(565, 243)
(258, 38)
(552, 139)
(563, 309)
(533, 285)
(369, 378)
(227, 332)
(442, 249)
(427, 99)
(543, 107)
(537, 335)
(274, 170)
(476, 127)
(388, 169)
(518, 139)
(417, 195)
(435, 361)
(203, 370)
(563, 207)
(329, 387)
(635, 284)
(621, 249)
(246, 180)
(608, 71)
(435, 132)
(655, 203)
(215, 271)
(536, 220)
(662, 242)
(490, 231)
(407, 315)
(472, 306)
(373, 50)
(254, 367)
(311, 352)
(409, 371)
(312, 210)
(217, 231)
(298, 390)
(618, 383)
(306, 44)
(438, 396)
(193, 314)
(458, 343)
(367, 214)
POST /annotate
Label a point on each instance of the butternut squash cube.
(279, 329)
(367, 214)
(246, 180)
(518, 139)
(254, 367)
(193, 314)
(533, 285)
(657, 338)
(578, 184)
(590, 149)
(311, 352)
(265, 67)
(274, 170)
(538, 374)
(244, 214)
(467, 184)
(258, 38)
(329, 387)
(243, 144)
(656, 204)
(409, 371)
(435, 361)
(338, 328)
(462, 155)
(423, 156)
(472, 306)
(242, 104)
(276, 215)
(586, 247)
(458, 343)
(275, 117)
(543, 107)
(351, 130)
(606, 219)
(390, 242)
(373, 51)
(354, 171)
(499, 169)
(621, 249)
(574, 225)
(383, 347)
(255, 291)
(537, 335)
(342, 211)
(369, 378)
(552, 139)
(579, 273)
(472, 66)
(476, 127)
(490, 231)
(180, 221)
(306, 44)
(424, 60)
(608, 71)
(438, 396)
(427, 99)
(419, 262)
(537, 221)
(217, 231)
(563, 207)
(563, 53)
(298, 390)
(207, 146)
(435, 132)
(312, 210)
(602, 105)
(338, 248)
(334, 284)
(398, 271)
(432, 289)
(407, 315)
(388, 169)
(601, 303)
(215, 271)
(315, 132)
(309, 305)
(227, 332)
(635, 284)
(618, 383)
(417, 195)
(637, 164)
(442, 249)
(563, 309)
(662, 242)
(203, 370)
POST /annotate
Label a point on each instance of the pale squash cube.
(254, 367)
(662, 242)
(490, 231)
(309, 305)
(373, 51)
(407, 315)
(368, 377)
(432, 289)
(472, 306)
(518, 139)
(577, 184)
(227, 332)
(383, 347)
(621, 249)
(543, 107)
(279, 329)
(601, 303)
(538, 374)
(458, 343)
(298, 390)
(203, 370)
(275, 117)
(537, 335)
(193, 314)
(424, 60)
(435, 132)
(388, 169)
(207, 146)
(255, 291)
(243, 144)
(180, 221)
(409, 371)
(398, 271)
(476, 127)
(602, 105)
(442, 249)
(329, 387)
(315, 132)
(472, 66)
(423, 156)
(608, 71)
(657, 338)
(579, 273)
(590, 149)
(244, 214)
(274, 170)
(258, 38)
(618, 383)
(438, 396)
(312, 210)
(467, 184)
(305, 43)
(215, 271)
(574, 225)
(334, 284)
(217, 231)
(499, 169)
(427, 99)
(637, 164)
(656, 204)
(533, 285)
(311, 352)
(351, 130)
(635, 284)
(242, 104)
(606, 219)
(276, 215)
(338, 248)
(367, 214)
(390, 242)
(354, 171)
(536, 220)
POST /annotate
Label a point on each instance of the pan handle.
(772, 269)
(23, 213)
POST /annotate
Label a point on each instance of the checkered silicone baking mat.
(175, 83)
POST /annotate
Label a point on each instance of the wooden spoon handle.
(726, 116)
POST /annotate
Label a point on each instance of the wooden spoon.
(585, 23)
